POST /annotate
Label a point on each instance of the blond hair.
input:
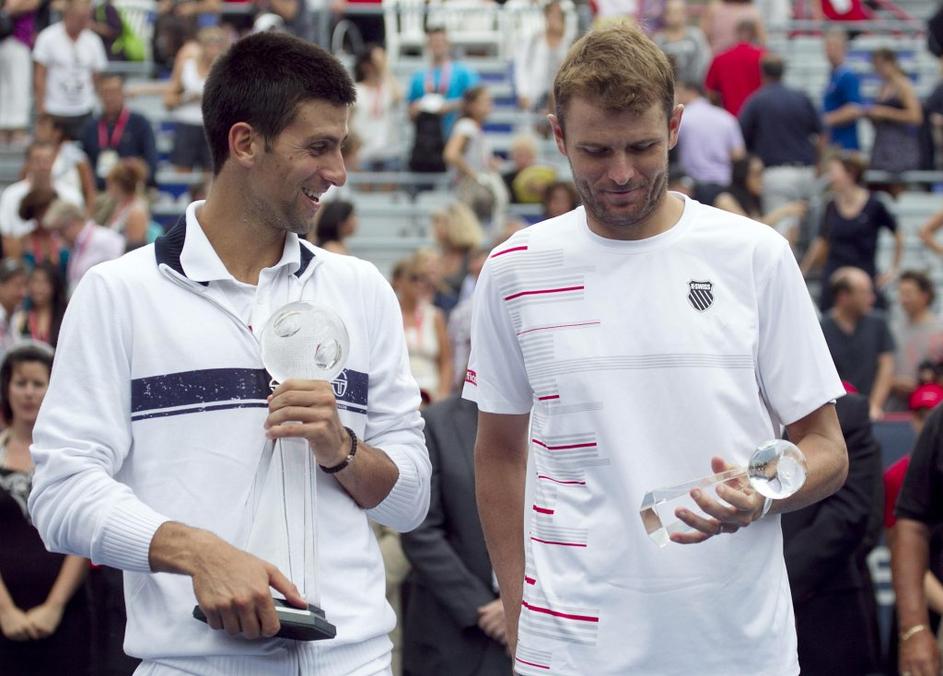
(618, 68)
(460, 227)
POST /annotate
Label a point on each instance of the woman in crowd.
(850, 227)
(130, 214)
(896, 116)
(337, 221)
(41, 316)
(427, 341)
(40, 245)
(559, 198)
(71, 165)
(457, 233)
(43, 607)
(376, 115)
(469, 152)
(539, 59)
(744, 196)
(185, 96)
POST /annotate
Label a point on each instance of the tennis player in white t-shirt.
(639, 341)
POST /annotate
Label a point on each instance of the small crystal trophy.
(776, 470)
(305, 342)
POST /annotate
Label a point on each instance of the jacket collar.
(186, 250)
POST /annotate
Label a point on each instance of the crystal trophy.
(776, 470)
(306, 342)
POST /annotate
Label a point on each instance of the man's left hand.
(745, 506)
(307, 409)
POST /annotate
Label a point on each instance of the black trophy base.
(297, 624)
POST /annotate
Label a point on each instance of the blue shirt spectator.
(841, 102)
(443, 77)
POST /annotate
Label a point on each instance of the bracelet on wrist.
(913, 631)
(346, 461)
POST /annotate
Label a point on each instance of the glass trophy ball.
(304, 341)
(777, 469)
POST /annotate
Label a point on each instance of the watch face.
(304, 341)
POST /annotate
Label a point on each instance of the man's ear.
(557, 128)
(245, 145)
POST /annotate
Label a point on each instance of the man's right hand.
(231, 586)
(15, 625)
(920, 655)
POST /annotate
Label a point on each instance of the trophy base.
(297, 624)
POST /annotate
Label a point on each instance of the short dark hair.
(922, 281)
(330, 218)
(772, 66)
(261, 81)
(21, 354)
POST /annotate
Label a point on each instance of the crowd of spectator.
(749, 144)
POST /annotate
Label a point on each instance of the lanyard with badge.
(108, 145)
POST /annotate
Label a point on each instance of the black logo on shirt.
(701, 295)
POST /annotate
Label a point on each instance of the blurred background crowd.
(822, 119)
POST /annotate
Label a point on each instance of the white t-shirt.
(70, 65)
(634, 379)
(477, 147)
(11, 225)
(192, 84)
(375, 121)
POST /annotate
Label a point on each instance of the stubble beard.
(655, 194)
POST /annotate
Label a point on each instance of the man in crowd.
(859, 338)
(918, 335)
(708, 143)
(612, 406)
(89, 243)
(440, 86)
(68, 58)
(782, 127)
(118, 132)
(161, 448)
(734, 74)
(841, 103)
(37, 167)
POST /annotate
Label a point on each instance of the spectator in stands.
(16, 71)
(538, 58)
(684, 44)
(177, 23)
(469, 152)
(840, 10)
(457, 233)
(924, 399)
(916, 536)
(41, 316)
(13, 276)
(43, 608)
(459, 323)
(376, 115)
(68, 58)
(722, 23)
(848, 236)
(708, 143)
(841, 104)
(89, 243)
(37, 168)
(130, 216)
(118, 132)
(454, 619)
(526, 180)
(859, 339)
(427, 341)
(928, 229)
(369, 24)
(294, 14)
(734, 73)
(337, 221)
(106, 23)
(185, 96)
(560, 197)
(439, 87)
(918, 335)
(782, 127)
(826, 545)
(71, 165)
(744, 195)
(40, 245)
(896, 116)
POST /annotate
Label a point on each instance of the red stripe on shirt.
(557, 613)
(532, 664)
(548, 397)
(535, 292)
(530, 580)
(541, 510)
(553, 542)
(573, 482)
(513, 248)
(558, 326)
(566, 447)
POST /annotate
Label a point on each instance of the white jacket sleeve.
(393, 421)
(83, 434)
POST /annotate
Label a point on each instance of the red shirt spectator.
(734, 75)
(853, 10)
